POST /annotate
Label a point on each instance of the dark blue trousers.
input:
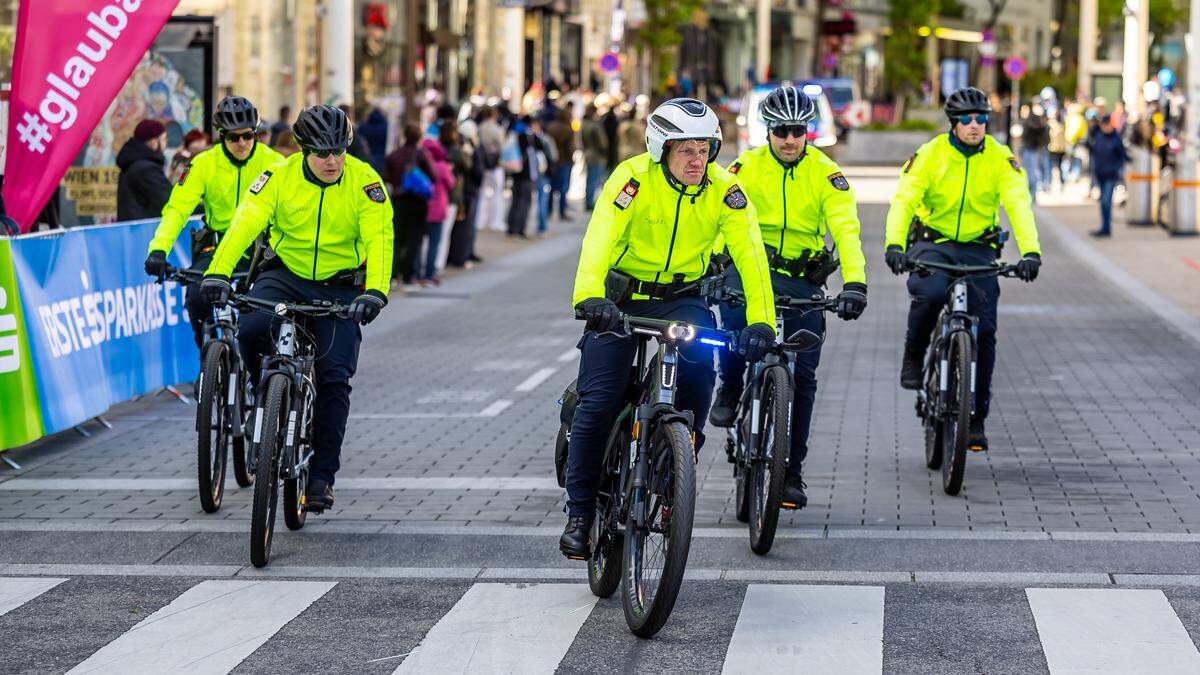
(804, 385)
(604, 370)
(929, 294)
(336, 343)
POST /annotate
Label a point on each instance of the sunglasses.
(326, 154)
(966, 119)
(248, 136)
(797, 130)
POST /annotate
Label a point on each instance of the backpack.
(414, 181)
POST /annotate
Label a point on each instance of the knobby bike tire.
(294, 514)
(604, 566)
(769, 474)
(672, 468)
(266, 486)
(212, 427)
(242, 447)
(930, 420)
(957, 427)
(741, 504)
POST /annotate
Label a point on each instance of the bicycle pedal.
(976, 448)
(314, 508)
(581, 558)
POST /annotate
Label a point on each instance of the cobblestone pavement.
(1094, 425)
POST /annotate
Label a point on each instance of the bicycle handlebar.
(186, 276)
(785, 302)
(674, 331)
(955, 270)
(316, 308)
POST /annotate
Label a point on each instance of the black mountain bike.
(643, 526)
(283, 420)
(759, 442)
(222, 396)
(946, 401)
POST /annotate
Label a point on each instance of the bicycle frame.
(954, 318)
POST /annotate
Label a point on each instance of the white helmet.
(682, 119)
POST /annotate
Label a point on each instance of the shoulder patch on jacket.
(735, 198)
(627, 193)
(1016, 166)
(260, 182)
(909, 164)
(183, 176)
(839, 181)
(735, 167)
(375, 192)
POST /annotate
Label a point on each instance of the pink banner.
(71, 59)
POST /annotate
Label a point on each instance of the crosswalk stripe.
(823, 629)
(15, 592)
(210, 628)
(504, 628)
(1089, 630)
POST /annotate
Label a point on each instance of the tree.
(659, 35)
(904, 53)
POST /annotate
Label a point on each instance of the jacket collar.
(234, 160)
(312, 177)
(966, 150)
(680, 187)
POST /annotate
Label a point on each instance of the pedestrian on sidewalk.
(1108, 160)
(410, 201)
(595, 154)
(563, 135)
(1058, 150)
(520, 160)
(439, 207)
(470, 175)
(375, 132)
(142, 187)
(546, 154)
(491, 140)
(1035, 136)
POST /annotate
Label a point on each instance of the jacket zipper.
(783, 230)
(674, 230)
(963, 199)
(317, 243)
(237, 196)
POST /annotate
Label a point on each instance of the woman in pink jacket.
(443, 182)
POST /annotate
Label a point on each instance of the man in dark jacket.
(375, 132)
(143, 188)
(1108, 163)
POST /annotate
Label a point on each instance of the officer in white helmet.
(650, 237)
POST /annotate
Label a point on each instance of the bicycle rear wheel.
(604, 567)
(212, 426)
(956, 425)
(929, 418)
(768, 471)
(300, 432)
(242, 447)
(266, 486)
(656, 554)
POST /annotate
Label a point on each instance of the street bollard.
(1140, 189)
(1184, 188)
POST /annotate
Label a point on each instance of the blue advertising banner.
(99, 330)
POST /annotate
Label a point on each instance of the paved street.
(1074, 544)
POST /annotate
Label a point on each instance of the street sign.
(1014, 67)
(610, 62)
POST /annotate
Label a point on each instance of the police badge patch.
(260, 182)
(1012, 161)
(839, 181)
(735, 198)
(626, 195)
(375, 192)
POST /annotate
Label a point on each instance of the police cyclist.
(946, 209)
(329, 226)
(218, 177)
(799, 194)
(650, 236)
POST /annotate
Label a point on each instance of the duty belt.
(351, 278)
(993, 236)
(809, 266)
(665, 291)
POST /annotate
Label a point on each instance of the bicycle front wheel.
(656, 553)
(241, 446)
(604, 567)
(212, 426)
(266, 486)
(956, 425)
(768, 471)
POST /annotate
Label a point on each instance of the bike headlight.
(681, 332)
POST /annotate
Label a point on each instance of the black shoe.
(977, 439)
(793, 493)
(318, 496)
(1100, 233)
(724, 411)
(911, 370)
(575, 542)
(474, 258)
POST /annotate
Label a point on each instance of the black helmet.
(787, 105)
(235, 112)
(967, 100)
(322, 127)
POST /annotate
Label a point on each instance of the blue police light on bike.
(712, 341)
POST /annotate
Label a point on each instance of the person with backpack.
(439, 206)
(519, 159)
(408, 173)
